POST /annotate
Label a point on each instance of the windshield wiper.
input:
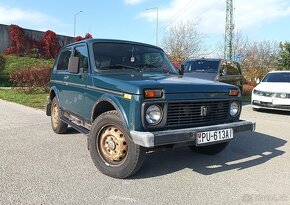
(141, 67)
(119, 66)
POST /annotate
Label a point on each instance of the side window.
(82, 53)
(230, 68)
(63, 60)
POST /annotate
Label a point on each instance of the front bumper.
(262, 102)
(153, 139)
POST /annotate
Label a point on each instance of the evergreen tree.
(284, 56)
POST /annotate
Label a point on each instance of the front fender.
(116, 104)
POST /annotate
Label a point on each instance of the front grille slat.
(182, 114)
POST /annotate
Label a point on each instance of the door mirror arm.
(181, 69)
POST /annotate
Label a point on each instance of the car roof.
(94, 40)
(280, 71)
(209, 59)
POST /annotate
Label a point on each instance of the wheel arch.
(108, 103)
(52, 93)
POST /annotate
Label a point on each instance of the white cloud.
(210, 14)
(29, 19)
(133, 2)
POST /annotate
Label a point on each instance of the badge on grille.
(203, 111)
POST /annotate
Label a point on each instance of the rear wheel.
(57, 125)
(210, 149)
(111, 149)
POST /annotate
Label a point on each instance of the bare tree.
(183, 41)
(256, 58)
(240, 44)
(259, 58)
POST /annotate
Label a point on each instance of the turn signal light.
(234, 93)
(153, 93)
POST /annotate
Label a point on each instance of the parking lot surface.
(38, 166)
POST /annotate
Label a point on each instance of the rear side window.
(231, 68)
(203, 66)
(82, 53)
(64, 60)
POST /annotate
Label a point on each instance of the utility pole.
(156, 22)
(229, 30)
(75, 22)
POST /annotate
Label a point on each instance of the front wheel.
(111, 149)
(210, 149)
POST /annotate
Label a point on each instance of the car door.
(231, 73)
(60, 72)
(76, 83)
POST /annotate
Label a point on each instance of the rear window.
(201, 66)
(277, 77)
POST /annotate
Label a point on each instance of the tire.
(111, 149)
(210, 149)
(57, 125)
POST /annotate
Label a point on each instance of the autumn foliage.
(22, 45)
(17, 41)
(87, 36)
(29, 79)
(50, 45)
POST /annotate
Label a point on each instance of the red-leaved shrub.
(87, 36)
(50, 45)
(176, 64)
(31, 78)
(247, 89)
(78, 38)
(17, 37)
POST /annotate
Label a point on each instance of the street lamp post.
(156, 22)
(75, 22)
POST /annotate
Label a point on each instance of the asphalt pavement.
(38, 166)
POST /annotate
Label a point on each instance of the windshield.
(201, 66)
(277, 77)
(124, 56)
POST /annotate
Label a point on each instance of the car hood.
(273, 87)
(135, 83)
(201, 75)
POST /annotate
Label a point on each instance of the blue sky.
(129, 20)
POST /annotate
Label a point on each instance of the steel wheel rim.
(55, 114)
(112, 145)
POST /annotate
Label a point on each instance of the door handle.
(65, 77)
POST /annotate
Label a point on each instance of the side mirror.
(224, 72)
(181, 69)
(258, 80)
(73, 65)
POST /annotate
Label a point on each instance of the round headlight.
(234, 109)
(153, 114)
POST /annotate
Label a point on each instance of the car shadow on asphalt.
(248, 149)
(275, 112)
(72, 131)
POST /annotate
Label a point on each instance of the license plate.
(214, 136)
(281, 101)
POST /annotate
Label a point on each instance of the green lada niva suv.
(128, 99)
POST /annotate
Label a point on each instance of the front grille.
(187, 114)
(270, 105)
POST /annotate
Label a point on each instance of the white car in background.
(273, 92)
